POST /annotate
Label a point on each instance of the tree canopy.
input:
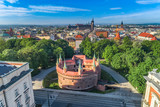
(132, 59)
(41, 53)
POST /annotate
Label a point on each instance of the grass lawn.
(102, 92)
(121, 72)
(50, 81)
(106, 77)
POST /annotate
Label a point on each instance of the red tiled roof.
(24, 36)
(154, 38)
(144, 34)
(79, 37)
(117, 36)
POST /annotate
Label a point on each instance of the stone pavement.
(38, 79)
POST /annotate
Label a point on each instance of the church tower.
(122, 24)
(92, 25)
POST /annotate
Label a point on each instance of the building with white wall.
(152, 94)
(16, 85)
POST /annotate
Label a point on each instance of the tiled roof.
(79, 37)
(154, 38)
(5, 69)
(144, 34)
(117, 36)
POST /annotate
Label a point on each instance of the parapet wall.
(78, 77)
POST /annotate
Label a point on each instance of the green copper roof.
(60, 56)
(80, 64)
(57, 61)
(4, 34)
(65, 64)
(98, 60)
(94, 55)
(94, 65)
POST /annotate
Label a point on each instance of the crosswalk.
(72, 100)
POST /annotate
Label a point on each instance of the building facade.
(79, 39)
(82, 26)
(16, 85)
(104, 33)
(79, 73)
(146, 36)
(152, 94)
(72, 42)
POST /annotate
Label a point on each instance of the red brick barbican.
(78, 73)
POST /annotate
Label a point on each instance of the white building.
(152, 94)
(16, 85)
(146, 36)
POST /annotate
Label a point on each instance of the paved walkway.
(38, 79)
(124, 84)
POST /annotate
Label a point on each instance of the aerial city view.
(79, 53)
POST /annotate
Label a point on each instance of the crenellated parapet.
(78, 69)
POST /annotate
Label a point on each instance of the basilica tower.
(92, 25)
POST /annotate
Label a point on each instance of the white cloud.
(116, 8)
(54, 9)
(140, 17)
(7, 10)
(12, 11)
(12, 1)
(147, 1)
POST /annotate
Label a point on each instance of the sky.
(54, 12)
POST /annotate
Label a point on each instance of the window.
(1, 103)
(25, 85)
(27, 105)
(26, 96)
(18, 103)
(16, 92)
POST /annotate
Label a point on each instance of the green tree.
(29, 54)
(126, 44)
(99, 47)
(119, 61)
(136, 74)
(134, 56)
(146, 46)
(101, 36)
(109, 52)
(9, 55)
(2, 45)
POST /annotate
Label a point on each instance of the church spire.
(121, 24)
(60, 58)
(94, 55)
(80, 69)
(57, 62)
(94, 65)
(98, 60)
(65, 67)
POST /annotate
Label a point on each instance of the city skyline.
(79, 11)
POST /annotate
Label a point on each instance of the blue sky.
(79, 11)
